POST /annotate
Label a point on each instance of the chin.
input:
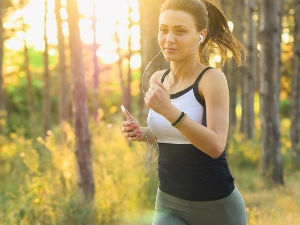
(170, 57)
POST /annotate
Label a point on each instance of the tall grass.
(39, 180)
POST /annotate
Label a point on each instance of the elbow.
(217, 151)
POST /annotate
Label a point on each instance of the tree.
(230, 69)
(250, 74)
(1, 59)
(244, 72)
(63, 79)
(127, 91)
(295, 106)
(149, 14)
(83, 140)
(46, 90)
(29, 87)
(269, 88)
(96, 66)
(4, 4)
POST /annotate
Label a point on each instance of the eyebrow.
(177, 26)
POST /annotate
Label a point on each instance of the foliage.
(39, 186)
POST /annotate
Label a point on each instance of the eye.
(180, 31)
(163, 30)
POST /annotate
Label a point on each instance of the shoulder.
(157, 75)
(212, 82)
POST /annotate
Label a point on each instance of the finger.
(127, 123)
(132, 126)
(135, 138)
(133, 134)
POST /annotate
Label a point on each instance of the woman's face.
(178, 35)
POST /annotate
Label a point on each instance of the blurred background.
(66, 66)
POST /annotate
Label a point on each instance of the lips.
(170, 50)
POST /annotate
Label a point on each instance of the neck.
(184, 68)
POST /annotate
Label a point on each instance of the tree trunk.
(120, 68)
(2, 117)
(230, 69)
(243, 70)
(295, 106)
(30, 99)
(149, 14)
(83, 140)
(96, 67)
(269, 110)
(46, 93)
(249, 76)
(127, 98)
(62, 73)
(231, 75)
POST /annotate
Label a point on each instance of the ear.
(203, 33)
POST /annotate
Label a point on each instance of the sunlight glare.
(258, 47)
(285, 37)
(217, 58)
(111, 18)
(85, 31)
(63, 14)
(135, 61)
(14, 44)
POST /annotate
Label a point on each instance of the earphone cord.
(142, 83)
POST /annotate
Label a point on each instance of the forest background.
(66, 66)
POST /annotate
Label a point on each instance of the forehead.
(174, 18)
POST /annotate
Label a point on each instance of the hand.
(131, 128)
(158, 98)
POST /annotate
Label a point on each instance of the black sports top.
(183, 170)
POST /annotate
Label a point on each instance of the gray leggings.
(170, 210)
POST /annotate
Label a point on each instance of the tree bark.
(83, 140)
(1, 64)
(295, 106)
(127, 99)
(96, 67)
(250, 73)
(269, 88)
(46, 91)
(62, 73)
(230, 69)
(242, 71)
(29, 82)
(149, 15)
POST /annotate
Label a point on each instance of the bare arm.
(135, 132)
(211, 139)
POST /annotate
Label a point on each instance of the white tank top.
(188, 101)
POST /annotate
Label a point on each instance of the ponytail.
(219, 35)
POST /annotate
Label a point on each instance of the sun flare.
(110, 21)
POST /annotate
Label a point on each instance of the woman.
(189, 119)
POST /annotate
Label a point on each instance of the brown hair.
(210, 17)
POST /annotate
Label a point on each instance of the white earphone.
(201, 39)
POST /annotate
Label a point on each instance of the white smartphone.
(125, 111)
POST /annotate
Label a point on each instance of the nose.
(170, 37)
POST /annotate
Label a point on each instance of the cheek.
(160, 39)
(188, 44)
